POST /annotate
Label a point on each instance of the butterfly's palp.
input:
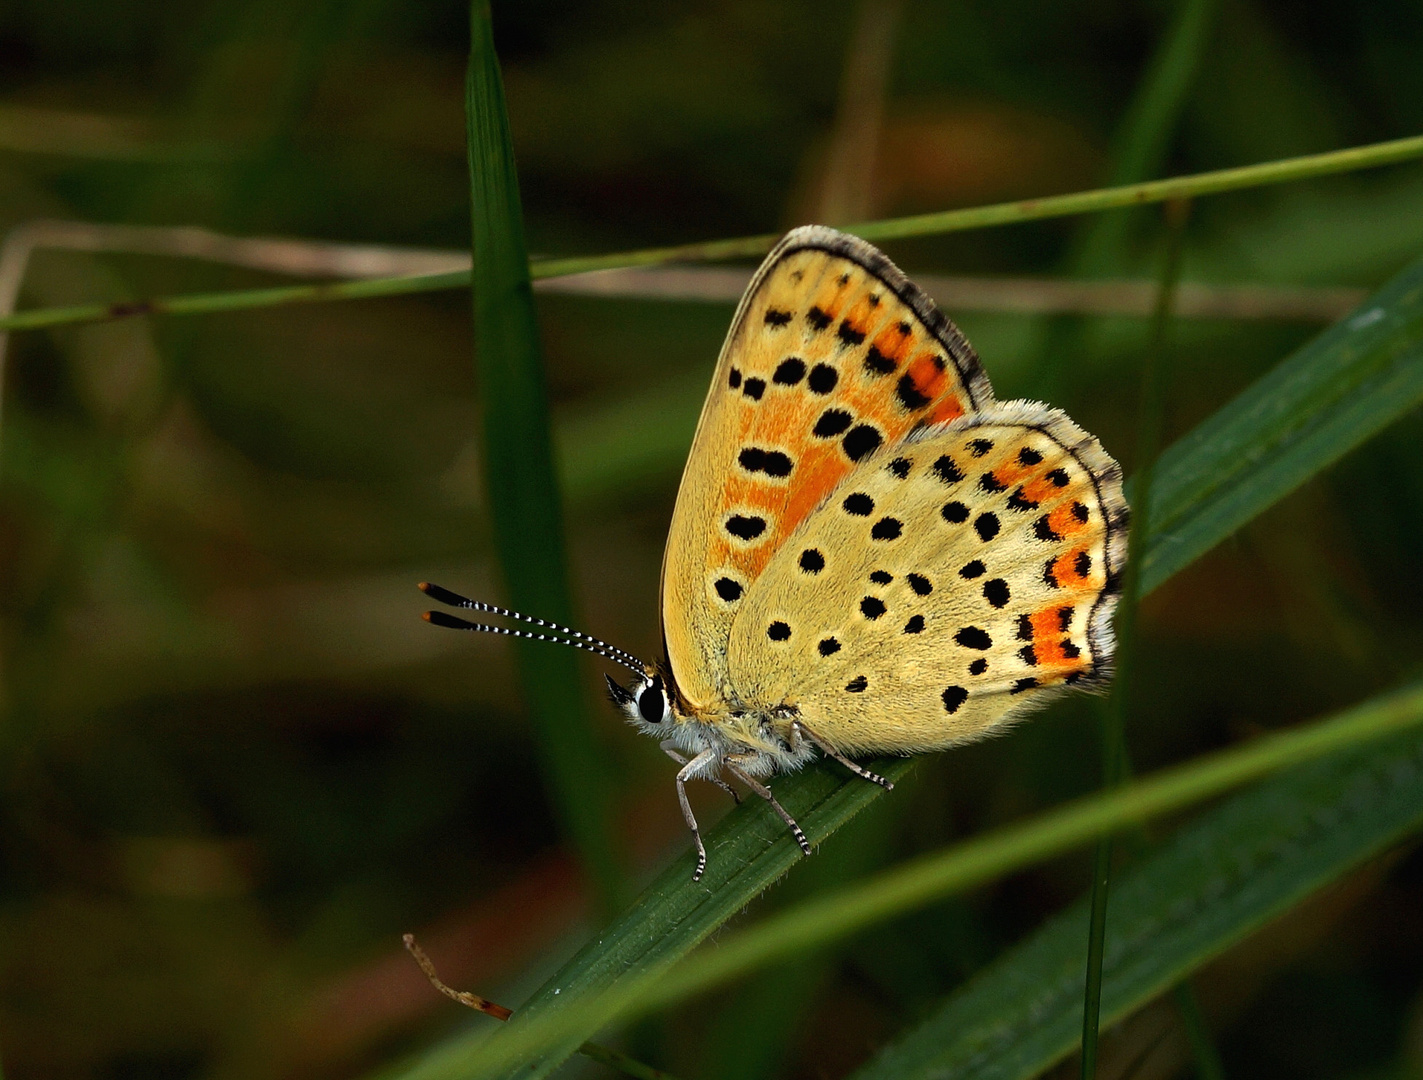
(583, 641)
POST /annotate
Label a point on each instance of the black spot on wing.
(1023, 684)
(777, 318)
(973, 637)
(828, 646)
(872, 607)
(978, 667)
(823, 378)
(728, 590)
(771, 462)
(831, 423)
(859, 504)
(920, 584)
(881, 577)
(734, 379)
(876, 363)
(811, 561)
(986, 525)
(953, 697)
(849, 333)
(900, 467)
(789, 371)
(947, 471)
(778, 631)
(857, 684)
(887, 528)
(817, 318)
(745, 527)
(909, 394)
(972, 570)
(1020, 502)
(990, 484)
(862, 440)
(1029, 456)
(955, 513)
(979, 447)
(754, 388)
(996, 592)
(915, 625)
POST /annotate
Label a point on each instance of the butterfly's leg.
(668, 747)
(888, 785)
(765, 793)
(683, 775)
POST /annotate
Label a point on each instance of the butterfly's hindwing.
(832, 356)
(950, 581)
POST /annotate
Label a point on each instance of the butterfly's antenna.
(453, 599)
(562, 635)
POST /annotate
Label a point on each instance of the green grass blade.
(1214, 882)
(524, 504)
(1285, 170)
(1141, 145)
(1338, 390)
(750, 848)
(747, 851)
(551, 1025)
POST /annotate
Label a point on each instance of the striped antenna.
(561, 635)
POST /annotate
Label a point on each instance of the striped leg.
(671, 751)
(842, 759)
(765, 793)
(683, 776)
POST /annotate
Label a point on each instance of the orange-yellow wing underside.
(832, 354)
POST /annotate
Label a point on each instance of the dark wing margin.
(823, 238)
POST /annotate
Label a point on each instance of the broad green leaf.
(1342, 387)
(524, 504)
(533, 1043)
(750, 848)
(1214, 882)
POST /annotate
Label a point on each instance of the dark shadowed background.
(234, 764)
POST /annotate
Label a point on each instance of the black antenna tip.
(442, 595)
(439, 618)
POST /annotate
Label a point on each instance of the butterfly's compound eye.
(651, 705)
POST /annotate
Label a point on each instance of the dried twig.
(598, 1052)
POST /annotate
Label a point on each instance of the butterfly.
(868, 553)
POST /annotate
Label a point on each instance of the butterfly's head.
(646, 702)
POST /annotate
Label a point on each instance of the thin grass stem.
(1285, 170)
(1198, 1033)
(1114, 755)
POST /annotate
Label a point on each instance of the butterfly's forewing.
(832, 355)
(948, 583)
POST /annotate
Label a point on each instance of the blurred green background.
(235, 766)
